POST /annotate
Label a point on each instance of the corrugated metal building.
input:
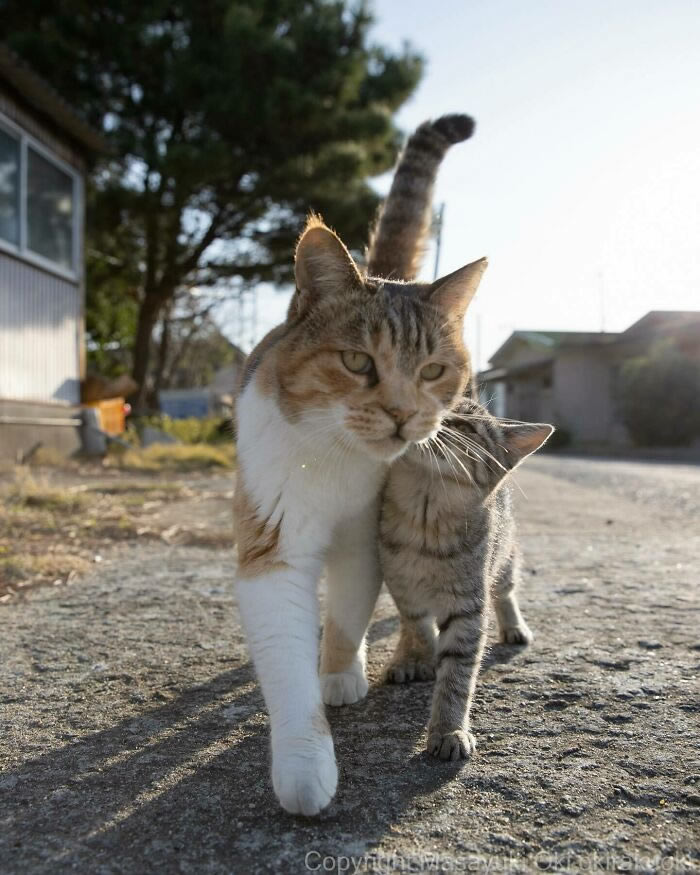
(44, 150)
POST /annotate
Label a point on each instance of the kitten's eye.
(432, 371)
(357, 362)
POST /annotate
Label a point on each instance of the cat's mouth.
(388, 447)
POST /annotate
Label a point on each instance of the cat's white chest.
(304, 479)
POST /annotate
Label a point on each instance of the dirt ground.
(133, 739)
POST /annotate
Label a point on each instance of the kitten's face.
(385, 364)
(379, 361)
(476, 449)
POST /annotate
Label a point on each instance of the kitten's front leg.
(279, 609)
(354, 578)
(414, 657)
(462, 635)
(512, 626)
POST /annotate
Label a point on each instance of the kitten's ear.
(323, 266)
(453, 293)
(523, 438)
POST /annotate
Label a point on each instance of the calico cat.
(448, 551)
(361, 368)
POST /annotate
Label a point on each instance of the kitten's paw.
(517, 635)
(344, 687)
(455, 745)
(407, 671)
(305, 777)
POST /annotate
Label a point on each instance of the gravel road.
(132, 736)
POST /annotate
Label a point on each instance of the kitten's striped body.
(448, 550)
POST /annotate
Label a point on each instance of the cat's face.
(382, 360)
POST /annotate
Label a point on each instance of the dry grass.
(51, 533)
(176, 457)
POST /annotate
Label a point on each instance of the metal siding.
(39, 337)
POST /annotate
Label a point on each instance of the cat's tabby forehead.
(391, 319)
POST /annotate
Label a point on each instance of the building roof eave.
(495, 374)
(42, 97)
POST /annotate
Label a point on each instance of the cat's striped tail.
(398, 241)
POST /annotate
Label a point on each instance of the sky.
(582, 181)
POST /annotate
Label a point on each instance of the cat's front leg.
(353, 577)
(461, 640)
(279, 609)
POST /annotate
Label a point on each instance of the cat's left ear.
(523, 438)
(453, 293)
(323, 266)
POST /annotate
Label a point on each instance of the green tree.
(228, 120)
(660, 397)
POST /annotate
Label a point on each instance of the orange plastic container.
(111, 413)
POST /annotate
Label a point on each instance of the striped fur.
(448, 550)
(398, 241)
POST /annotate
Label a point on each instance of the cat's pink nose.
(400, 415)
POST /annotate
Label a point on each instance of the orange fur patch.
(337, 650)
(257, 540)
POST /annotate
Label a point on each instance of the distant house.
(216, 399)
(45, 148)
(571, 378)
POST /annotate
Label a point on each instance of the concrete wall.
(17, 439)
(582, 395)
(529, 399)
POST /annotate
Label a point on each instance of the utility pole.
(439, 219)
(601, 299)
(245, 318)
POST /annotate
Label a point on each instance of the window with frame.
(37, 202)
(49, 210)
(9, 187)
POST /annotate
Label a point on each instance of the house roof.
(662, 322)
(46, 100)
(491, 374)
(554, 340)
(656, 324)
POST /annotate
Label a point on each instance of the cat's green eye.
(432, 371)
(357, 362)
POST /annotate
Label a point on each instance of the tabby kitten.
(448, 550)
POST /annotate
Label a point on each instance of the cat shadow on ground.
(185, 786)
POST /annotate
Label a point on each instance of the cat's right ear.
(323, 266)
(453, 293)
(524, 438)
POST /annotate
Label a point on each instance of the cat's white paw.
(304, 775)
(344, 687)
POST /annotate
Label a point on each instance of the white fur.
(354, 578)
(311, 477)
